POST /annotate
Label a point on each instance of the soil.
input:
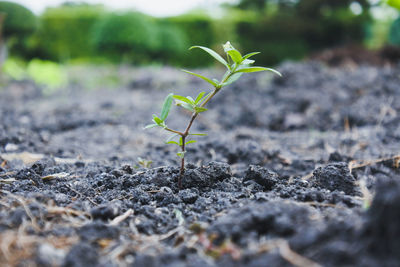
(301, 170)
(357, 54)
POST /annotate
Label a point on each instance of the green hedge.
(287, 31)
(65, 32)
(19, 21)
(394, 34)
(293, 30)
(199, 30)
(131, 36)
(278, 38)
(135, 37)
(173, 43)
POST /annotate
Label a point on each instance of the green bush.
(47, 73)
(128, 36)
(135, 37)
(292, 29)
(172, 43)
(275, 42)
(19, 21)
(394, 34)
(198, 29)
(64, 32)
(14, 69)
(394, 3)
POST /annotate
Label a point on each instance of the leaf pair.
(160, 121)
(193, 105)
(180, 143)
(213, 82)
(236, 57)
(233, 53)
(181, 154)
(240, 63)
(243, 63)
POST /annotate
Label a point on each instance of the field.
(301, 170)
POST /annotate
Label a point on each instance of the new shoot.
(236, 66)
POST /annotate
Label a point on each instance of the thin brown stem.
(182, 171)
(209, 98)
(173, 131)
(186, 132)
(195, 114)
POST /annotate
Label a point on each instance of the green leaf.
(225, 75)
(157, 120)
(180, 141)
(394, 3)
(214, 55)
(171, 137)
(250, 55)
(228, 46)
(185, 105)
(257, 69)
(247, 62)
(172, 142)
(150, 126)
(199, 96)
(232, 79)
(183, 99)
(204, 98)
(199, 134)
(233, 53)
(200, 109)
(181, 154)
(190, 142)
(166, 107)
(179, 216)
(191, 99)
(235, 56)
(144, 162)
(202, 77)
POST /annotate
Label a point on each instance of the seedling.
(236, 65)
(144, 162)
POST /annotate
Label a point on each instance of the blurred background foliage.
(64, 33)
(280, 29)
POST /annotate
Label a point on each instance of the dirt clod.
(335, 177)
(382, 227)
(262, 176)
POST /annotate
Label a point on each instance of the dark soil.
(296, 171)
(357, 54)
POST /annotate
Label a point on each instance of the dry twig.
(287, 253)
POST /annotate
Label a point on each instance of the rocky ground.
(301, 170)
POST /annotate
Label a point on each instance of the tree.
(18, 24)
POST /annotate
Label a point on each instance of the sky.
(151, 7)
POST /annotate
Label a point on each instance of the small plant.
(236, 65)
(145, 163)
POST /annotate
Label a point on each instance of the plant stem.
(182, 171)
(186, 132)
(173, 131)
